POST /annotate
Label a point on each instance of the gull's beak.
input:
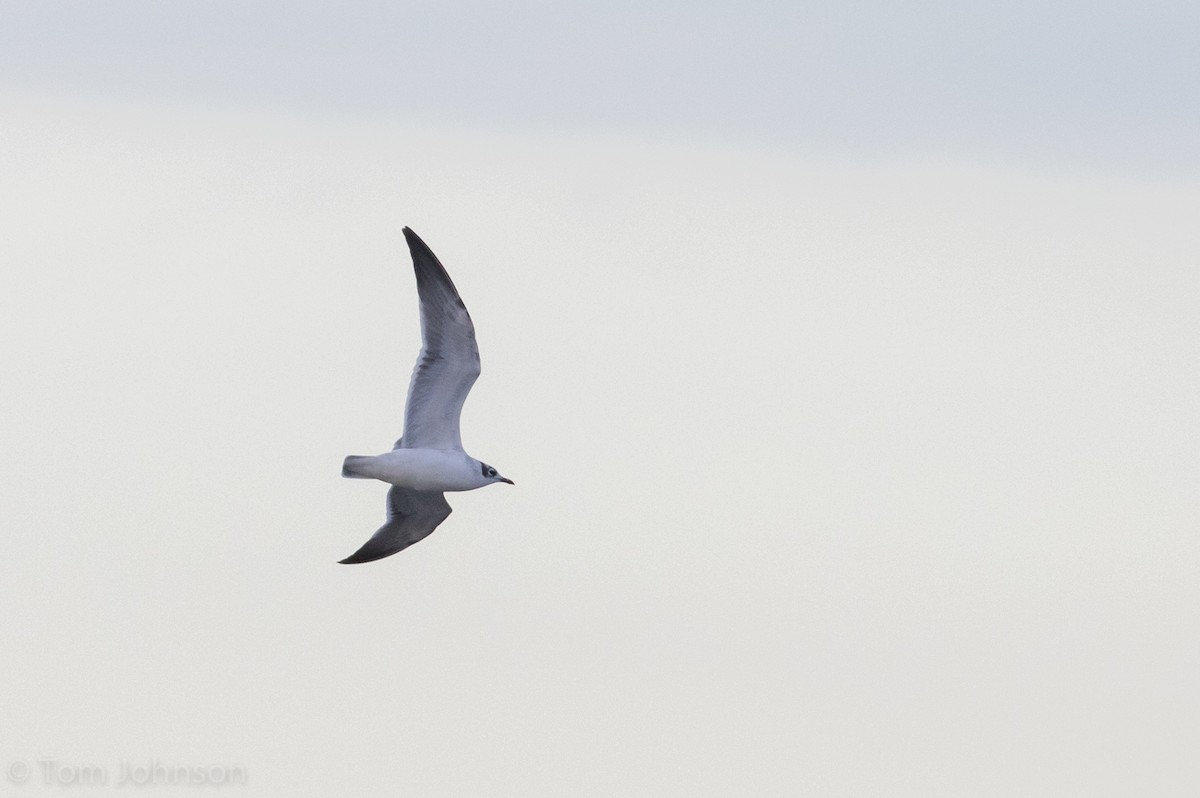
(506, 479)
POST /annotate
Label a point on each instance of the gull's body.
(421, 469)
(429, 459)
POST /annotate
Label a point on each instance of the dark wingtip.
(368, 552)
(373, 550)
(420, 251)
(413, 239)
(359, 557)
(433, 281)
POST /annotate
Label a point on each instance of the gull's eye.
(491, 472)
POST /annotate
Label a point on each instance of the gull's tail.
(349, 465)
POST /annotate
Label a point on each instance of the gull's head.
(492, 475)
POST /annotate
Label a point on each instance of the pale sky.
(845, 361)
(1060, 83)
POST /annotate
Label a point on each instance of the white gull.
(429, 459)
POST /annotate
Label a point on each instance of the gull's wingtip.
(364, 555)
(419, 249)
(412, 238)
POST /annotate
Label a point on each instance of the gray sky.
(845, 465)
(1111, 84)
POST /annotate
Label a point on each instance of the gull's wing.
(449, 361)
(412, 516)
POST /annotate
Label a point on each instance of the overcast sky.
(845, 361)
(1112, 84)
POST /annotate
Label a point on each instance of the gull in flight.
(429, 459)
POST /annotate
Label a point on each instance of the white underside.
(422, 469)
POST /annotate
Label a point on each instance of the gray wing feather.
(449, 361)
(412, 516)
